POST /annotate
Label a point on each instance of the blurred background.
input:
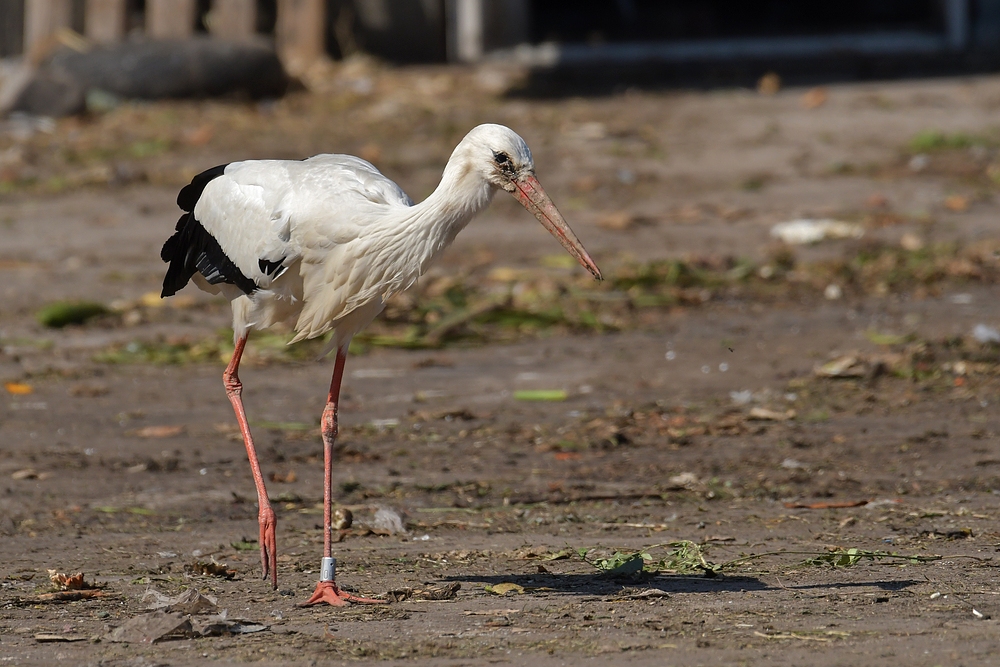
(725, 117)
(756, 155)
(794, 205)
(939, 34)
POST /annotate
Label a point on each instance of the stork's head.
(501, 155)
(504, 161)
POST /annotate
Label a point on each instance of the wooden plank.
(300, 33)
(11, 27)
(104, 22)
(469, 19)
(42, 19)
(233, 19)
(170, 19)
(476, 27)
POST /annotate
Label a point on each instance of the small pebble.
(343, 518)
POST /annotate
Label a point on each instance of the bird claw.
(268, 545)
(331, 594)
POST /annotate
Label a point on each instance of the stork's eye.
(504, 162)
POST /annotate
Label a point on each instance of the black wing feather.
(192, 249)
(191, 193)
(270, 267)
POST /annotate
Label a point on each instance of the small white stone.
(741, 397)
(919, 162)
(985, 334)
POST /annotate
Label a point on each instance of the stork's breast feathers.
(350, 277)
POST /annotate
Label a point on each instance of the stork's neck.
(460, 196)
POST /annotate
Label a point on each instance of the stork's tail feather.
(193, 249)
(173, 253)
(191, 193)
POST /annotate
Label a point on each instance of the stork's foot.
(268, 545)
(331, 594)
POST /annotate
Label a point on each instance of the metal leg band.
(328, 569)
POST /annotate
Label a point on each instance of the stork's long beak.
(529, 192)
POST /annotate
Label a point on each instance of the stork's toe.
(328, 592)
(268, 546)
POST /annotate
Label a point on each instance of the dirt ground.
(720, 417)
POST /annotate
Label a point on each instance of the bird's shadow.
(604, 585)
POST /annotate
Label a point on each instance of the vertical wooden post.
(104, 22)
(300, 33)
(233, 19)
(469, 19)
(11, 27)
(42, 19)
(473, 28)
(170, 19)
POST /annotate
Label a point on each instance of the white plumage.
(324, 242)
(347, 237)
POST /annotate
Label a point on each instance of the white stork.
(324, 242)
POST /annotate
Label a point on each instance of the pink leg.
(265, 515)
(328, 591)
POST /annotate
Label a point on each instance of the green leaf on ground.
(887, 338)
(621, 564)
(63, 313)
(541, 395)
